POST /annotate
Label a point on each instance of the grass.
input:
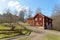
(8, 35)
(26, 24)
(24, 31)
(3, 27)
(51, 37)
(19, 27)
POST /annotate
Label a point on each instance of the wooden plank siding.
(40, 20)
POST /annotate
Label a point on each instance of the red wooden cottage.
(40, 20)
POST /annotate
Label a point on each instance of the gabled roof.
(38, 14)
(42, 15)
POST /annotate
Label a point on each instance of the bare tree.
(56, 10)
(56, 17)
(8, 17)
(29, 13)
(21, 15)
(38, 10)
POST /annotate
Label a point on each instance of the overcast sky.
(45, 5)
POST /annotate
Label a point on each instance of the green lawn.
(51, 37)
(3, 27)
(8, 35)
(6, 27)
(19, 27)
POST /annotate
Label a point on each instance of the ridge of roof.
(39, 14)
(44, 15)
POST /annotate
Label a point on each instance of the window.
(39, 18)
(35, 19)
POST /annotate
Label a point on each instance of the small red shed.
(40, 20)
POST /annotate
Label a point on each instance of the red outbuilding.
(40, 20)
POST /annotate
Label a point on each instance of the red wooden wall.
(40, 20)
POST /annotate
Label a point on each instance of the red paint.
(40, 20)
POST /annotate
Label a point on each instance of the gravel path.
(40, 36)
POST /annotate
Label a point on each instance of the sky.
(46, 6)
